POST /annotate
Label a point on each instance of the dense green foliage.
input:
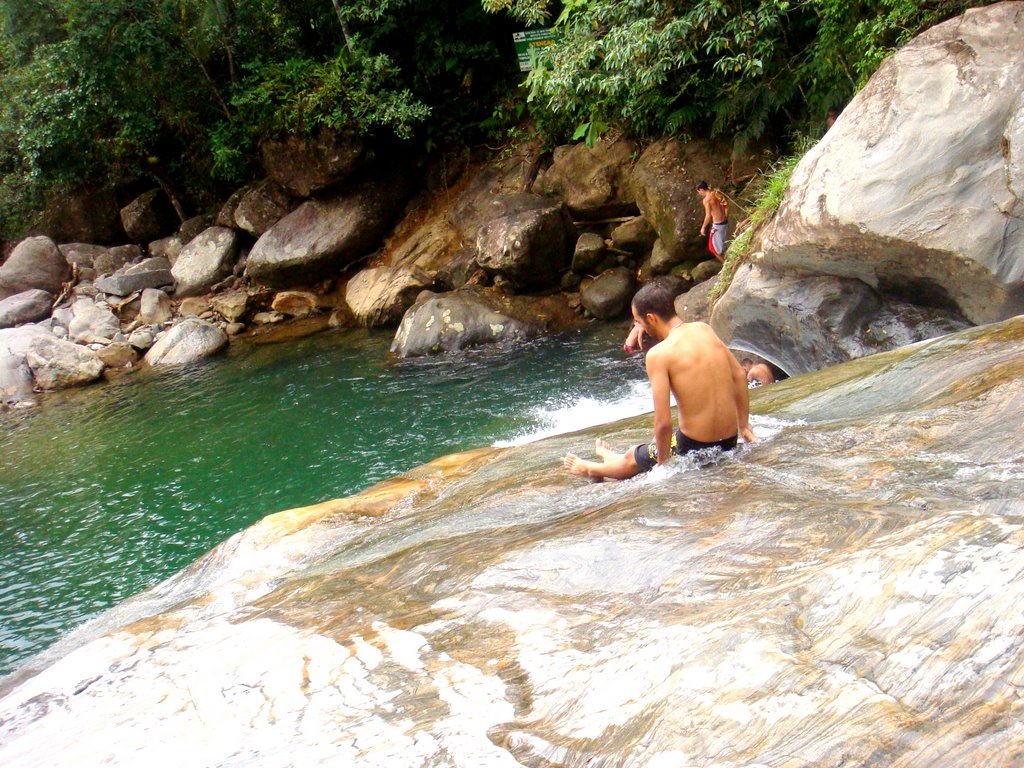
(745, 67)
(184, 91)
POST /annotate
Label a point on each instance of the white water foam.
(560, 417)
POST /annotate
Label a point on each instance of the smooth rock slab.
(205, 261)
(25, 307)
(192, 339)
(57, 364)
(92, 323)
(381, 295)
(35, 262)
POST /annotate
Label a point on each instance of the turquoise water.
(109, 490)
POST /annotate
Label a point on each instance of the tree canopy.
(109, 91)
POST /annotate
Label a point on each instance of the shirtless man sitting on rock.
(688, 362)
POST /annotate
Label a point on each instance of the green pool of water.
(106, 491)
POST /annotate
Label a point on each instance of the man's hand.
(748, 435)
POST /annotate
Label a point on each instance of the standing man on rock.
(716, 214)
(690, 363)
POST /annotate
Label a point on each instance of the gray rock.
(167, 248)
(15, 380)
(323, 236)
(917, 189)
(114, 258)
(635, 236)
(439, 323)
(155, 307)
(662, 260)
(664, 182)
(529, 249)
(261, 206)
(608, 296)
(149, 217)
(35, 262)
(695, 305)
(589, 252)
(593, 181)
(706, 270)
(92, 323)
(82, 254)
(56, 364)
(192, 228)
(381, 295)
(25, 307)
(802, 324)
(192, 339)
(125, 284)
(306, 166)
(120, 354)
(206, 260)
(142, 338)
(458, 270)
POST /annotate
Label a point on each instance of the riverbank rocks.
(531, 248)
(593, 181)
(15, 375)
(802, 324)
(635, 236)
(380, 296)
(231, 305)
(190, 340)
(918, 189)
(25, 307)
(35, 262)
(607, 296)
(155, 307)
(307, 166)
(295, 303)
(322, 236)
(57, 364)
(148, 217)
(664, 182)
(261, 206)
(92, 323)
(449, 322)
(590, 251)
(150, 273)
(205, 261)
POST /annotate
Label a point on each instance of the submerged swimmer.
(692, 364)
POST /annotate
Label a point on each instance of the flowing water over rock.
(847, 591)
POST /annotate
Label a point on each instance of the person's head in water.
(653, 303)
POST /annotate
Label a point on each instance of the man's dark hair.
(656, 298)
(703, 185)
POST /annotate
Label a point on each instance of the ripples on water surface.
(108, 490)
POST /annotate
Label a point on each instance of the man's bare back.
(692, 364)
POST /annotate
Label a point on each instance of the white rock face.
(380, 296)
(204, 261)
(918, 189)
(190, 340)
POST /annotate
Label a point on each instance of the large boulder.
(593, 181)
(82, 255)
(15, 375)
(306, 166)
(802, 324)
(150, 216)
(530, 249)
(607, 296)
(322, 236)
(205, 261)
(35, 262)
(449, 322)
(151, 273)
(664, 183)
(429, 247)
(92, 323)
(113, 259)
(56, 364)
(25, 307)
(495, 191)
(589, 251)
(189, 340)
(381, 295)
(261, 206)
(84, 214)
(918, 189)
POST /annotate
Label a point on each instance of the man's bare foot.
(578, 466)
(604, 450)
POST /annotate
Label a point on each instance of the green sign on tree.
(531, 39)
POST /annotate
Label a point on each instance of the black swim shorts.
(647, 455)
